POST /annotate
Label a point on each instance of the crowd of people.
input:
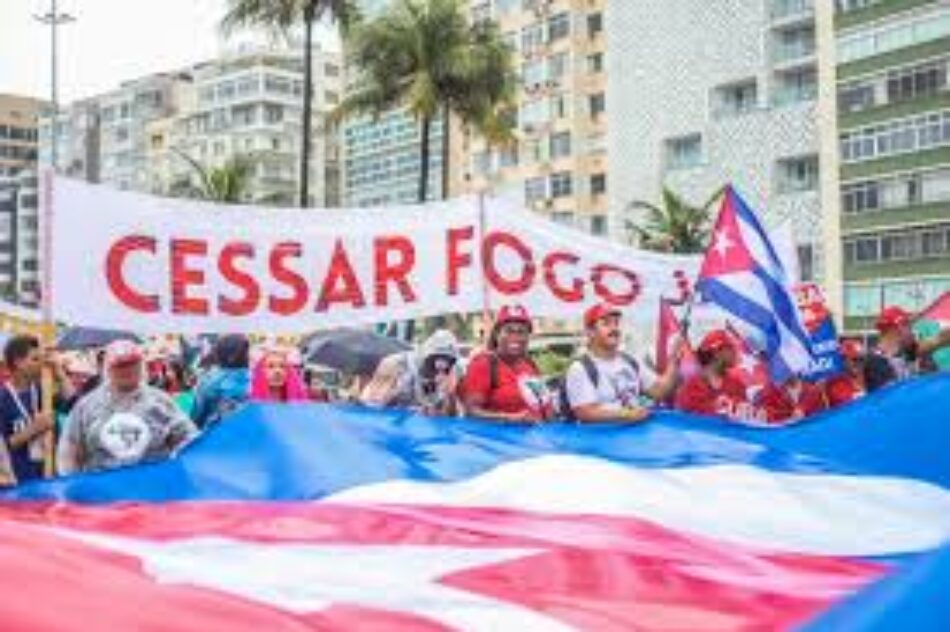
(130, 410)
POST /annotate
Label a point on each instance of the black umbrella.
(354, 351)
(79, 338)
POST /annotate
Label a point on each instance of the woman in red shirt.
(503, 382)
(714, 390)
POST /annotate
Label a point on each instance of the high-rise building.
(694, 104)
(19, 237)
(18, 133)
(248, 105)
(381, 155)
(559, 161)
(144, 135)
(893, 110)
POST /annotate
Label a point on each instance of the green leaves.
(425, 55)
(676, 226)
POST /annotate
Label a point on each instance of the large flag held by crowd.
(306, 517)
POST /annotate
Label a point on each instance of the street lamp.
(53, 18)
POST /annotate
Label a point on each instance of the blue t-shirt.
(12, 421)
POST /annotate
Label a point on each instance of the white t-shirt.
(619, 385)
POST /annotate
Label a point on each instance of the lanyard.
(26, 415)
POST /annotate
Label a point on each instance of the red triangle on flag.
(727, 251)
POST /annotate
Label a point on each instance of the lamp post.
(54, 18)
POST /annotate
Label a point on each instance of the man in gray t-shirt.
(122, 422)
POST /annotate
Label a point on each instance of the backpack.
(590, 368)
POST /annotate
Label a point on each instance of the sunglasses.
(516, 330)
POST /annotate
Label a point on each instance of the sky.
(111, 41)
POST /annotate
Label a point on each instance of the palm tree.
(280, 16)
(426, 56)
(676, 226)
(227, 184)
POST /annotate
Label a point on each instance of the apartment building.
(703, 94)
(559, 160)
(18, 133)
(893, 112)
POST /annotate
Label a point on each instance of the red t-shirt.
(843, 389)
(519, 386)
(780, 404)
(698, 396)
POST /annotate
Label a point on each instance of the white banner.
(158, 265)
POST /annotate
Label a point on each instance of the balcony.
(794, 53)
(786, 11)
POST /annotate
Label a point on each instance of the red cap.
(891, 317)
(513, 314)
(122, 352)
(598, 311)
(852, 349)
(716, 340)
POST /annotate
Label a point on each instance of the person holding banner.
(715, 390)
(25, 427)
(124, 421)
(503, 382)
(605, 383)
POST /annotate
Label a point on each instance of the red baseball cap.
(716, 340)
(598, 311)
(123, 352)
(891, 317)
(852, 349)
(512, 314)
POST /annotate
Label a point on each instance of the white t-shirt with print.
(619, 385)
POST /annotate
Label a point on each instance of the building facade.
(381, 156)
(559, 160)
(695, 104)
(18, 133)
(247, 105)
(893, 104)
(19, 237)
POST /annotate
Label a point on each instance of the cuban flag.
(743, 276)
(321, 517)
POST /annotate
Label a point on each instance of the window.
(563, 217)
(595, 63)
(557, 66)
(535, 189)
(561, 184)
(685, 152)
(560, 145)
(532, 38)
(559, 26)
(273, 113)
(595, 24)
(794, 43)
(532, 73)
(598, 104)
(896, 137)
(598, 184)
(855, 98)
(860, 197)
(917, 82)
(598, 225)
(331, 97)
(796, 175)
(736, 98)
(916, 29)
(331, 70)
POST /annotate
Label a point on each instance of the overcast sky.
(110, 42)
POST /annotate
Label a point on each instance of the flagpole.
(486, 294)
(48, 327)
